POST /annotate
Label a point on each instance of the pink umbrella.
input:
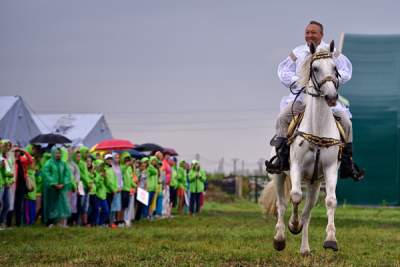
(115, 144)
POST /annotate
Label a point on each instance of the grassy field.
(233, 234)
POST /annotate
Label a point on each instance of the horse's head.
(324, 75)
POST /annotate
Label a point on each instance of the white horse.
(314, 153)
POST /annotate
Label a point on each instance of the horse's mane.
(304, 74)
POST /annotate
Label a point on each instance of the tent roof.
(6, 103)
(74, 126)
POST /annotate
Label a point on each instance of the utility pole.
(260, 163)
(242, 172)
(221, 166)
(197, 156)
(235, 161)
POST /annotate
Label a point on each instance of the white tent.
(16, 122)
(81, 128)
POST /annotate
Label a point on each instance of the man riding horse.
(293, 104)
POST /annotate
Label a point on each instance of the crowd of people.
(66, 186)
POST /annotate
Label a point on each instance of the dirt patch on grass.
(215, 194)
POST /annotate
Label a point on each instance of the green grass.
(224, 235)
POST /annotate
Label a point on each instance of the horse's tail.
(268, 196)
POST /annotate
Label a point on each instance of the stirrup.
(270, 168)
(359, 174)
(351, 171)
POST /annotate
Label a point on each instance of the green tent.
(374, 94)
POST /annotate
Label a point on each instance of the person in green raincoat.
(30, 197)
(9, 184)
(91, 166)
(181, 179)
(111, 182)
(85, 177)
(57, 182)
(6, 180)
(102, 209)
(127, 169)
(141, 172)
(46, 156)
(72, 163)
(152, 183)
(197, 178)
(173, 186)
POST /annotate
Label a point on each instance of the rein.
(316, 85)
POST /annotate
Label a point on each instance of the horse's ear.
(332, 46)
(312, 48)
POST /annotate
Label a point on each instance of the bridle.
(315, 84)
(318, 84)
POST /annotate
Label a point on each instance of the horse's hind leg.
(279, 239)
(294, 225)
(330, 202)
(311, 200)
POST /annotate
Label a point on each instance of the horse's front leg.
(279, 238)
(295, 225)
(330, 202)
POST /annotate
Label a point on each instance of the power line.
(244, 110)
(193, 130)
(185, 122)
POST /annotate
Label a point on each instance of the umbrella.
(115, 144)
(149, 147)
(50, 138)
(170, 151)
(136, 154)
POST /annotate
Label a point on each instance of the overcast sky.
(199, 76)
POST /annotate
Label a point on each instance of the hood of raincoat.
(97, 162)
(84, 151)
(74, 155)
(124, 155)
(54, 149)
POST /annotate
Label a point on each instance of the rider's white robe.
(288, 72)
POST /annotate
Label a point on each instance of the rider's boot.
(347, 167)
(280, 162)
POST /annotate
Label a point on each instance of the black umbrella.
(136, 154)
(149, 147)
(170, 151)
(50, 139)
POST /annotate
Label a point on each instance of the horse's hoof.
(331, 244)
(306, 253)
(279, 245)
(295, 230)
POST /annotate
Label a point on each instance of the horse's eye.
(315, 69)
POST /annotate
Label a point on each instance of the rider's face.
(313, 34)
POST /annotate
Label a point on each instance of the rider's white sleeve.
(344, 67)
(287, 72)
